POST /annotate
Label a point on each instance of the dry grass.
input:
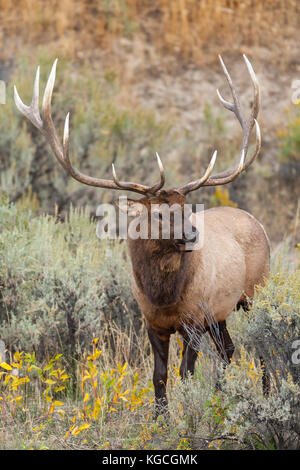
(189, 28)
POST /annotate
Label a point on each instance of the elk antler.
(61, 152)
(247, 125)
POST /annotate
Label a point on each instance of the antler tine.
(235, 107)
(230, 174)
(255, 84)
(223, 177)
(200, 182)
(227, 179)
(257, 148)
(156, 187)
(61, 152)
(48, 127)
(31, 112)
(153, 189)
(46, 105)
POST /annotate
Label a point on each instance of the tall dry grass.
(190, 28)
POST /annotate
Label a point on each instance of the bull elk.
(176, 287)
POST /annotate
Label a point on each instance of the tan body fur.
(234, 258)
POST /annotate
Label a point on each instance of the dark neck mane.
(159, 275)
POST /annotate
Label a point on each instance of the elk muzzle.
(188, 241)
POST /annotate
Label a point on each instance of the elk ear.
(129, 206)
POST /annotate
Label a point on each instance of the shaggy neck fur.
(160, 274)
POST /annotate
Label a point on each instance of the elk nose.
(191, 237)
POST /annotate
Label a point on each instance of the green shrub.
(60, 285)
(268, 330)
(240, 415)
(290, 137)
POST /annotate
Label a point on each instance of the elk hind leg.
(266, 381)
(192, 340)
(223, 343)
(189, 357)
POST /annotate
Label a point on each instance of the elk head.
(152, 195)
(163, 222)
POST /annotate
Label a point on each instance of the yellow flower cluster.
(102, 392)
(105, 392)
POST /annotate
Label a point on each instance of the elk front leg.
(160, 347)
